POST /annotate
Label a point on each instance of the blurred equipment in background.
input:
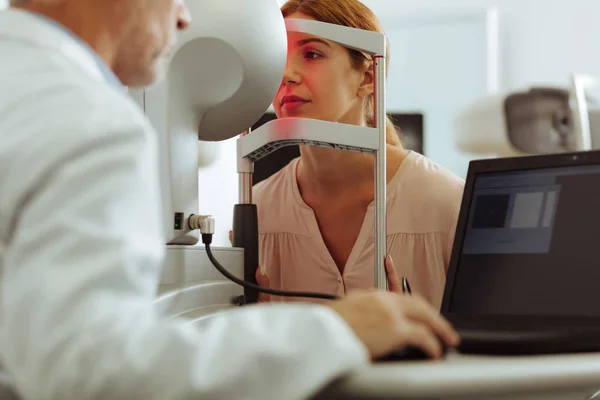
(538, 120)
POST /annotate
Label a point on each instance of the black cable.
(207, 238)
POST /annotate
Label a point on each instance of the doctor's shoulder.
(88, 113)
(64, 123)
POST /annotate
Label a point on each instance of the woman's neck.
(330, 173)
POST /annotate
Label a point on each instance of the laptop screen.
(531, 245)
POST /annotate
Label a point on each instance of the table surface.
(459, 376)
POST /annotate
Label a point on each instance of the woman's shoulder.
(429, 176)
(428, 195)
(276, 187)
(276, 202)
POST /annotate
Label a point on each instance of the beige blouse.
(423, 201)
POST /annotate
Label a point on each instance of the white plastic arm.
(369, 42)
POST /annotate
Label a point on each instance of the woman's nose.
(184, 18)
(291, 74)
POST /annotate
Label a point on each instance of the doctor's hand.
(386, 321)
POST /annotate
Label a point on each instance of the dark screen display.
(532, 244)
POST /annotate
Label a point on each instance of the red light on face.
(286, 127)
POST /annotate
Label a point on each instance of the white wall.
(3, 3)
(439, 64)
(218, 186)
(543, 41)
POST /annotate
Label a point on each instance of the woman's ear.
(367, 86)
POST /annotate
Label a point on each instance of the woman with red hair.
(316, 214)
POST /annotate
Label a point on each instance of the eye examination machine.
(219, 85)
(224, 73)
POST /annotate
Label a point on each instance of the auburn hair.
(353, 14)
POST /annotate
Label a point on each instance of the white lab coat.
(81, 249)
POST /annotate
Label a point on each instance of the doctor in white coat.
(80, 235)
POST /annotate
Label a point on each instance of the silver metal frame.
(380, 175)
(579, 84)
(245, 181)
(267, 138)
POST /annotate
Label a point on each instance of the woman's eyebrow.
(310, 40)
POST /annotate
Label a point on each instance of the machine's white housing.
(225, 71)
(304, 131)
(372, 43)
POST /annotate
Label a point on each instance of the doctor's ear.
(367, 86)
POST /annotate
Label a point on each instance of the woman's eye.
(311, 55)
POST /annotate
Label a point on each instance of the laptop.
(524, 276)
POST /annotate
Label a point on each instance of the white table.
(575, 377)
(470, 377)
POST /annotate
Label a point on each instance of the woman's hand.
(263, 281)
(394, 284)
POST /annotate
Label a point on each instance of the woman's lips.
(292, 102)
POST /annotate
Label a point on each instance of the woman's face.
(320, 82)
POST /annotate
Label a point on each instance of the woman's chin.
(294, 115)
(298, 114)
